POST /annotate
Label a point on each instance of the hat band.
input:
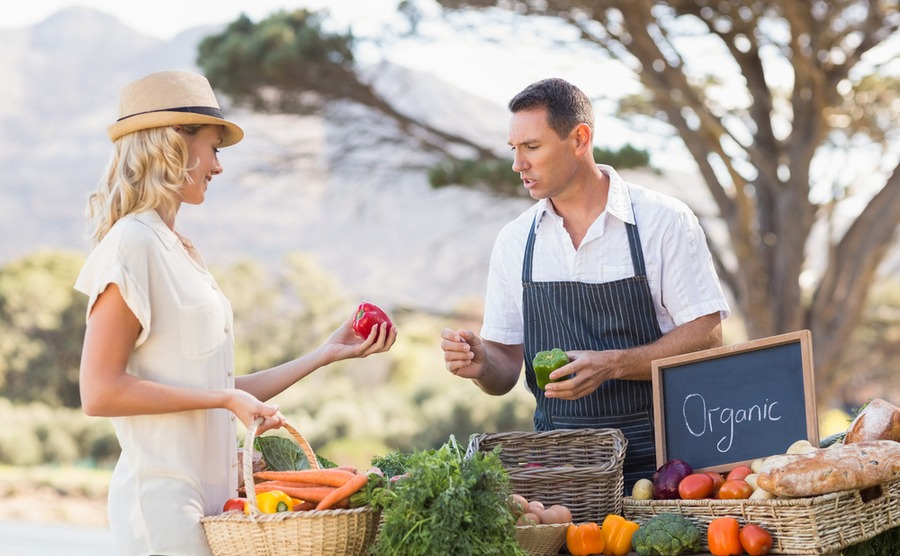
(204, 110)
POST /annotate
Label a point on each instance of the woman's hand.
(345, 344)
(247, 408)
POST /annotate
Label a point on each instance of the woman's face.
(203, 161)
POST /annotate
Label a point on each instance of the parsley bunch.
(448, 504)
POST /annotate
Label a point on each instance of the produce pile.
(448, 501)
(865, 456)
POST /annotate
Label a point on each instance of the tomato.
(755, 540)
(735, 490)
(695, 486)
(235, 504)
(739, 473)
(718, 481)
(724, 536)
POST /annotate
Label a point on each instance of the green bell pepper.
(545, 362)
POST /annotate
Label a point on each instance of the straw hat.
(168, 98)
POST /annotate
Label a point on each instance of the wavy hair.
(146, 171)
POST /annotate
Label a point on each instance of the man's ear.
(583, 138)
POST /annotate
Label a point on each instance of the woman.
(158, 351)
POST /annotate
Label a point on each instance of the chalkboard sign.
(722, 407)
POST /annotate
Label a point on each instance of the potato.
(529, 519)
(801, 447)
(760, 494)
(751, 480)
(518, 505)
(642, 490)
(552, 515)
(562, 512)
(535, 507)
(756, 465)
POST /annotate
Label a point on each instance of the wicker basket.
(310, 533)
(580, 468)
(799, 526)
(542, 540)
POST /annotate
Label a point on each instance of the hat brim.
(233, 133)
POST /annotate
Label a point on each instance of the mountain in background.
(346, 186)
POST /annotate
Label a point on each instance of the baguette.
(879, 420)
(846, 467)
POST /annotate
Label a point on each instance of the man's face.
(545, 162)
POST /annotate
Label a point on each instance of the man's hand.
(588, 370)
(464, 353)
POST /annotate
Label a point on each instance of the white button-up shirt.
(175, 467)
(680, 271)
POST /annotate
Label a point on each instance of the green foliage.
(287, 62)
(496, 176)
(883, 544)
(448, 504)
(42, 322)
(36, 433)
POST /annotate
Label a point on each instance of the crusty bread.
(846, 467)
(879, 420)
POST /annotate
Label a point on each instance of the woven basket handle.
(249, 485)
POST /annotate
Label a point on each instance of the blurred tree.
(260, 315)
(797, 90)
(42, 323)
(289, 62)
(495, 175)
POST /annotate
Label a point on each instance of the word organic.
(701, 419)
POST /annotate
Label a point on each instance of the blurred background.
(375, 167)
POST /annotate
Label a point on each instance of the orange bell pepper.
(584, 539)
(617, 532)
(724, 537)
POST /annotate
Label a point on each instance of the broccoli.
(667, 535)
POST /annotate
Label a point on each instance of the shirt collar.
(618, 201)
(152, 220)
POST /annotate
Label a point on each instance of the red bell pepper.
(369, 315)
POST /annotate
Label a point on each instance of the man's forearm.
(701, 333)
(502, 366)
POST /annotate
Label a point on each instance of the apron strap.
(634, 244)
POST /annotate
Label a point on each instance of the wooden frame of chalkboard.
(722, 407)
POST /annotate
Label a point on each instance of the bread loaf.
(879, 420)
(846, 467)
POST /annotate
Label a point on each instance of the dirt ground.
(47, 505)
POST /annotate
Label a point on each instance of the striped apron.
(596, 317)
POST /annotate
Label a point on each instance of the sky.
(488, 69)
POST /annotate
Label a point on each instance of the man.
(614, 274)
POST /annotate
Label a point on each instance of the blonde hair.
(146, 171)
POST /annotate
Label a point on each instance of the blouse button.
(214, 286)
(230, 372)
(227, 329)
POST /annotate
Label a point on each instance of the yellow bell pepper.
(584, 539)
(274, 501)
(617, 532)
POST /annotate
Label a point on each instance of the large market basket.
(799, 526)
(306, 533)
(578, 468)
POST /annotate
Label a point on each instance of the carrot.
(353, 485)
(322, 477)
(293, 484)
(307, 494)
(304, 506)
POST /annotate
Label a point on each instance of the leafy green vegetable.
(448, 504)
(883, 544)
(667, 534)
(283, 454)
